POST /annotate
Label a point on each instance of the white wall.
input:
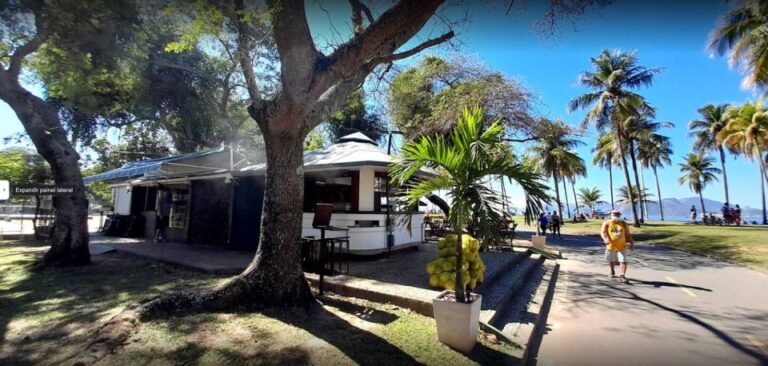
(365, 238)
(366, 190)
(121, 199)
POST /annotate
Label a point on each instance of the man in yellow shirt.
(615, 234)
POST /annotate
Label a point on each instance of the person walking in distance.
(556, 225)
(163, 212)
(693, 214)
(616, 235)
(543, 222)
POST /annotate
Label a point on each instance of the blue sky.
(671, 35)
(666, 35)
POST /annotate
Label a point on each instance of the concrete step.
(518, 312)
(525, 324)
(493, 275)
(496, 296)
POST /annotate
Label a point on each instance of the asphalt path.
(678, 309)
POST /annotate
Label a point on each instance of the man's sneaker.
(613, 274)
(623, 279)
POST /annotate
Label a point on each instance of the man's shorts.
(616, 255)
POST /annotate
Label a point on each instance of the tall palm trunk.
(637, 178)
(658, 193)
(557, 195)
(763, 179)
(575, 197)
(610, 183)
(644, 200)
(567, 204)
(461, 295)
(725, 176)
(703, 210)
(635, 222)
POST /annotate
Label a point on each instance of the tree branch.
(41, 34)
(533, 138)
(421, 47)
(298, 56)
(358, 8)
(243, 52)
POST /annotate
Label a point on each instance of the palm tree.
(463, 162)
(747, 133)
(590, 197)
(552, 153)
(742, 31)
(654, 153)
(570, 171)
(641, 127)
(698, 172)
(705, 130)
(606, 156)
(615, 75)
(625, 195)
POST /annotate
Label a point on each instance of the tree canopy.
(423, 100)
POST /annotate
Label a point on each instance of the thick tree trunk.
(703, 210)
(69, 244)
(274, 277)
(610, 183)
(567, 204)
(637, 178)
(658, 193)
(575, 197)
(725, 175)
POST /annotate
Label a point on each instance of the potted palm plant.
(462, 162)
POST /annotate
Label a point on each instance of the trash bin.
(538, 241)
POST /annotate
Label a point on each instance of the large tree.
(85, 37)
(423, 99)
(311, 85)
(615, 76)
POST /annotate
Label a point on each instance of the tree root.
(236, 294)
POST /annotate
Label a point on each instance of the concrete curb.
(537, 333)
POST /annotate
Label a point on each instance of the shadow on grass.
(56, 309)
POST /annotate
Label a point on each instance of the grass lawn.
(46, 317)
(745, 244)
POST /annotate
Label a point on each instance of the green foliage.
(590, 197)
(462, 163)
(698, 172)
(20, 166)
(740, 32)
(137, 142)
(423, 100)
(638, 196)
(315, 140)
(354, 117)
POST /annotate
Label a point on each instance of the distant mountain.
(680, 207)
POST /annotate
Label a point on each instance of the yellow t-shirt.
(617, 235)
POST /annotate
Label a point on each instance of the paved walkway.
(679, 309)
(206, 258)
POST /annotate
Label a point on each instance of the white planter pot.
(538, 241)
(457, 323)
